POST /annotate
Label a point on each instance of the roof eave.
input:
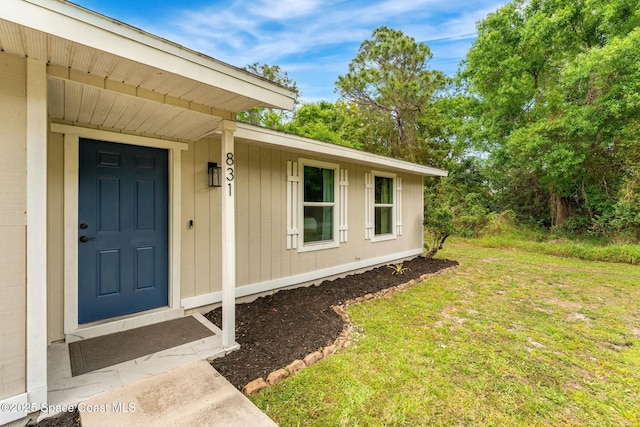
(306, 145)
(72, 22)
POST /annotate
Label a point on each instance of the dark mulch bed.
(277, 329)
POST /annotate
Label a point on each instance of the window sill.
(309, 247)
(383, 237)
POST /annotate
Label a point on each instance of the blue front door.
(122, 229)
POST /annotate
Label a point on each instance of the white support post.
(228, 215)
(36, 231)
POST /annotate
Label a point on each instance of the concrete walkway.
(192, 395)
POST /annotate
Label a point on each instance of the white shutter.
(398, 207)
(293, 181)
(368, 206)
(343, 229)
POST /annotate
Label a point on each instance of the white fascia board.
(308, 145)
(91, 29)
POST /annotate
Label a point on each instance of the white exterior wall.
(201, 246)
(262, 260)
(261, 224)
(13, 225)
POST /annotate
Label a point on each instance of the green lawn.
(508, 338)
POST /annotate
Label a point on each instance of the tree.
(457, 204)
(269, 117)
(390, 82)
(554, 80)
(325, 121)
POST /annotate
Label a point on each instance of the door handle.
(85, 239)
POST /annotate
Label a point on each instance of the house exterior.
(107, 217)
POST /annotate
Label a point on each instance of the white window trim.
(394, 208)
(328, 244)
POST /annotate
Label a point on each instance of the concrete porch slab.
(67, 390)
(193, 395)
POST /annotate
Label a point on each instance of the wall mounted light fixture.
(214, 174)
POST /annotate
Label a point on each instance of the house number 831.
(230, 173)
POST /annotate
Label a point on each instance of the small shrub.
(398, 269)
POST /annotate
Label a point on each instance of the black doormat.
(97, 353)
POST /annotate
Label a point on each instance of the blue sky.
(312, 40)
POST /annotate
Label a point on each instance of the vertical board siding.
(278, 225)
(255, 214)
(13, 225)
(263, 182)
(215, 220)
(187, 254)
(201, 247)
(242, 214)
(202, 219)
(266, 217)
(411, 211)
(267, 209)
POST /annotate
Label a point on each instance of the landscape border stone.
(342, 341)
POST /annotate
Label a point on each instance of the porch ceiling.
(104, 73)
(76, 102)
(23, 41)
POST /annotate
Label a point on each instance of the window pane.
(384, 218)
(384, 190)
(318, 184)
(318, 223)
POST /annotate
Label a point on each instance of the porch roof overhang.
(250, 134)
(104, 73)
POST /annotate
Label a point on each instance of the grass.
(508, 338)
(621, 253)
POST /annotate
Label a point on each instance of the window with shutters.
(318, 196)
(383, 206)
(318, 204)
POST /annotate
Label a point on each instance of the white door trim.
(73, 331)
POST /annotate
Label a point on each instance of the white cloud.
(306, 35)
(283, 10)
